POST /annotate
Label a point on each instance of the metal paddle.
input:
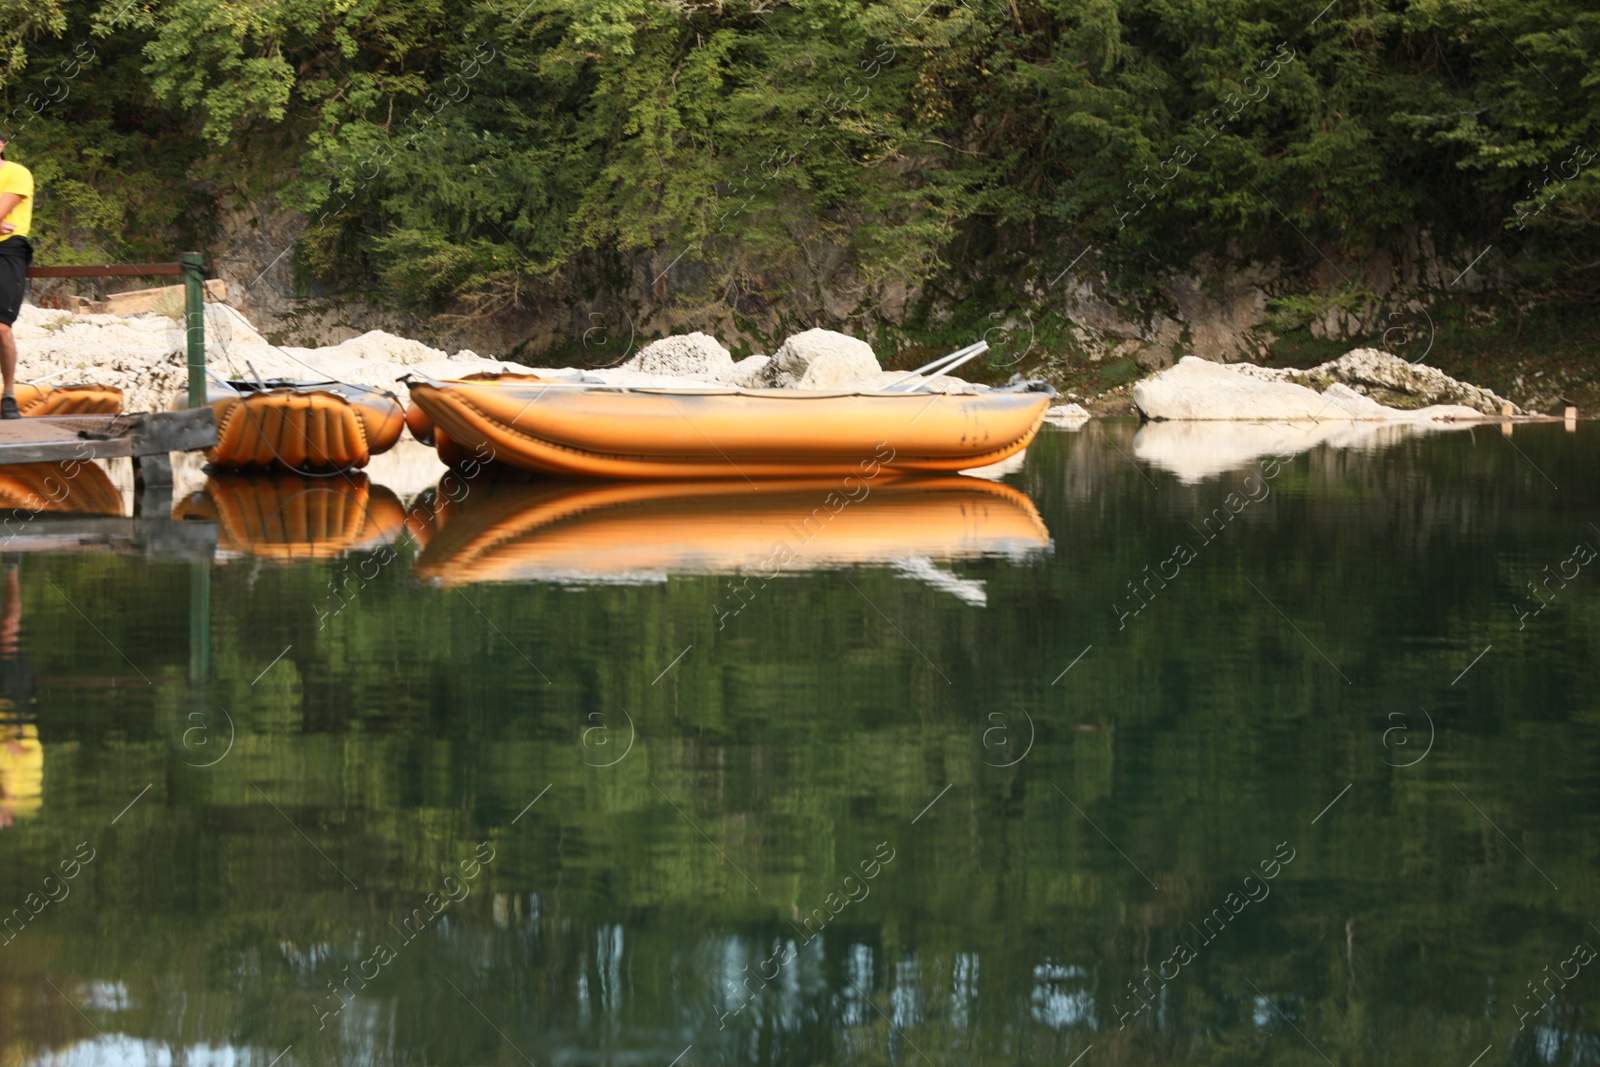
(942, 365)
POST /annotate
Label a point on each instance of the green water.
(883, 814)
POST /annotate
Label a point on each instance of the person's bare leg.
(8, 358)
(11, 614)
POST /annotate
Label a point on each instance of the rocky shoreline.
(143, 354)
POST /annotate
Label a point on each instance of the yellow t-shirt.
(15, 178)
(21, 770)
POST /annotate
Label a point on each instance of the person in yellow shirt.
(16, 253)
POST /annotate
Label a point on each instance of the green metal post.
(194, 308)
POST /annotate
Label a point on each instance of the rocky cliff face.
(1233, 313)
(254, 252)
(1220, 311)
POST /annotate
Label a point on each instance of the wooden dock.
(149, 439)
(147, 436)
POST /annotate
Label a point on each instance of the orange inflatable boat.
(591, 431)
(301, 426)
(450, 453)
(43, 400)
(506, 531)
(281, 516)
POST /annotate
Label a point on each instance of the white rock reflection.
(105, 996)
(906, 998)
(963, 989)
(1061, 996)
(858, 972)
(757, 983)
(121, 1049)
(608, 962)
(1195, 451)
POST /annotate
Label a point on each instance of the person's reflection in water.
(21, 755)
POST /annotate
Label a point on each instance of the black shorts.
(16, 254)
(16, 690)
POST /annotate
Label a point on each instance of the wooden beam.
(106, 270)
(153, 470)
(86, 437)
(173, 431)
(162, 296)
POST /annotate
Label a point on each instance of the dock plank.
(85, 437)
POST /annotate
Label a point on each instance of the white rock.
(838, 370)
(225, 325)
(1197, 389)
(689, 355)
(1068, 416)
(747, 373)
(942, 383)
(1374, 370)
(853, 358)
(377, 346)
(144, 355)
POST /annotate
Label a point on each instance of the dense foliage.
(459, 152)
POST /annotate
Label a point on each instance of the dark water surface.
(558, 788)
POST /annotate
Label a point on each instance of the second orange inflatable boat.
(600, 432)
(301, 425)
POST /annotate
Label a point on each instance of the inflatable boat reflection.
(293, 517)
(67, 488)
(504, 531)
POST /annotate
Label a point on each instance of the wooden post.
(194, 307)
(152, 485)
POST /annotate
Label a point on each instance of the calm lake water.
(1168, 749)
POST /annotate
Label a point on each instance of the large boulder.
(844, 359)
(839, 370)
(748, 372)
(1067, 416)
(689, 355)
(1197, 389)
(1391, 380)
(376, 346)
